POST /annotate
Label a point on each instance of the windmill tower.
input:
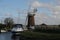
(31, 20)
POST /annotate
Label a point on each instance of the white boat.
(17, 28)
(3, 31)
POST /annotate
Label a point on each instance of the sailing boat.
(30, 22)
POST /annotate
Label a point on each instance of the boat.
(17, 28)
(3, 31)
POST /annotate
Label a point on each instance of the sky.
(48, 11)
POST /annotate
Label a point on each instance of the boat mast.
(18, 21)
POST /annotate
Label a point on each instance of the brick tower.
(31, 20)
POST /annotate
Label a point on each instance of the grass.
(39, 35)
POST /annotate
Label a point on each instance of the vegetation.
(9, 22)
(54, 30)
(59, 25)
(41, 33)
(0, 26)
(28, 35)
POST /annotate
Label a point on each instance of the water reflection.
(5, 36)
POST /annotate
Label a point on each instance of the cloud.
(7, 14)
(57, 2)
(56, 11)
(41, 18)
(56, 8)
(38, 4)
(54, 18)
(44, 18)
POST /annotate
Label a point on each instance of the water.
(6, 36)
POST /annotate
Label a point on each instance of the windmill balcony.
(31, 14)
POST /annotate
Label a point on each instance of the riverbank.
(28, 35)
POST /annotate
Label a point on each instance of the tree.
(59, 25)
(0, 26)
(9, 22)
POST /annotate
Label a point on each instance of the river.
(6, 36)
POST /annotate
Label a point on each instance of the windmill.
(30, 21)
(30, 18)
